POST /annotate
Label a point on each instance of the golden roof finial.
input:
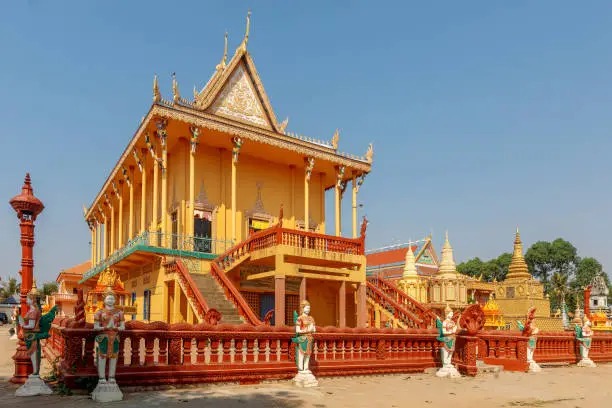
(283, 125)
(156, 95)
(370, 153)
(33, 293)
(224, 59)
(335, 139)
(84, 210)
(518, 267)
(243, 45)
(175, 90)
(195, 93)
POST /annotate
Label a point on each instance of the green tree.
(585, 272)
(539, 260)
(473, 267)
(560, 290)
(9, 288)
(564, 257)
(49, 288)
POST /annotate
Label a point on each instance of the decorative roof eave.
(209, 121)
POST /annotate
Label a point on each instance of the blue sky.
(484, 115)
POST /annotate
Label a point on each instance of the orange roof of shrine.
(74, 272)
(390, 261)
(109, 278)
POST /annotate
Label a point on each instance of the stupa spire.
(518, 267)
(447, 264)
(410, 270)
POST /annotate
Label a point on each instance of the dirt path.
(570, 387)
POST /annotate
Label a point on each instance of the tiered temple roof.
(390, 261)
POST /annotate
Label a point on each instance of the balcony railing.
(63, 297)
(170, 244)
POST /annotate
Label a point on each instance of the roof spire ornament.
(175, 90)
(335, 139)
(243, 45)
(195, 93)
(223, 62)
(283, 125)
(156, 95)
(370, 153)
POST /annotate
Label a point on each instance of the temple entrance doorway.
(202, 231)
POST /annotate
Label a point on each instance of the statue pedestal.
(586, 362)
(107, 392)
(14, 337)
(34, 385)
(305, 379)
(534, 367)
(448, 371)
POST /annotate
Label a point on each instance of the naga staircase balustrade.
(398, 311)
(426, 316)
(268, 238)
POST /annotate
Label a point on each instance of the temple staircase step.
(215, 298)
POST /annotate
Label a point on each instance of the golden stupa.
(494, 319)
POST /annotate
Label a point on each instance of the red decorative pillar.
(279, 300)
(587, 302)
(362, 308)
(342, 305)
(27, 207)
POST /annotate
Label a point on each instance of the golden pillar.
(235, 153)
(322, 204)
(143, 196)
(189, 224)
(98, 241)
(164, 195)
(131, 216)
(354, 207)
(120, 226)
(111, 231)
(106, 235)
(292, 202)
(309, 163)
(154, 220)
(340, 186)
(92, 228)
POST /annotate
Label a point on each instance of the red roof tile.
(388, 257)
(77, 270)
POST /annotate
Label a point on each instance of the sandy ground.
(571, 387)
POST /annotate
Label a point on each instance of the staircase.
(215, 298)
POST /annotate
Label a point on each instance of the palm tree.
(560, 288)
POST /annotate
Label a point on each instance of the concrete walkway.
(570, 387)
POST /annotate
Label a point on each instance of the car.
(4, 318)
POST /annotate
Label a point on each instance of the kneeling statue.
(109, 321)
(304, 330)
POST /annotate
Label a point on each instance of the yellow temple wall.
(151, 277)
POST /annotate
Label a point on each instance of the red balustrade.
(159, 353)
(504, 348)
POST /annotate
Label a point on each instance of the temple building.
(67, 284)
(599, 294)
(415, 268)
(215, 206)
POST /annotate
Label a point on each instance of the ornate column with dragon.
(108, 321)
(447, 334)
(584, 336)
(304, 330)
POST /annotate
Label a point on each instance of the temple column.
(309, 162)
(235, 153)
(190, 224)
(92, 228)
(339, 189)
(112, 231)
(154, 219)
(342, 305)
(355, 191)
(292, 202)
(176, 306)
(164, 196)
(106, 237)
(362, 308)
(302, 290)
(131, 216)
(322, 194)
(120, 226)
(279, 300)
(143, 195)
(190, 319)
